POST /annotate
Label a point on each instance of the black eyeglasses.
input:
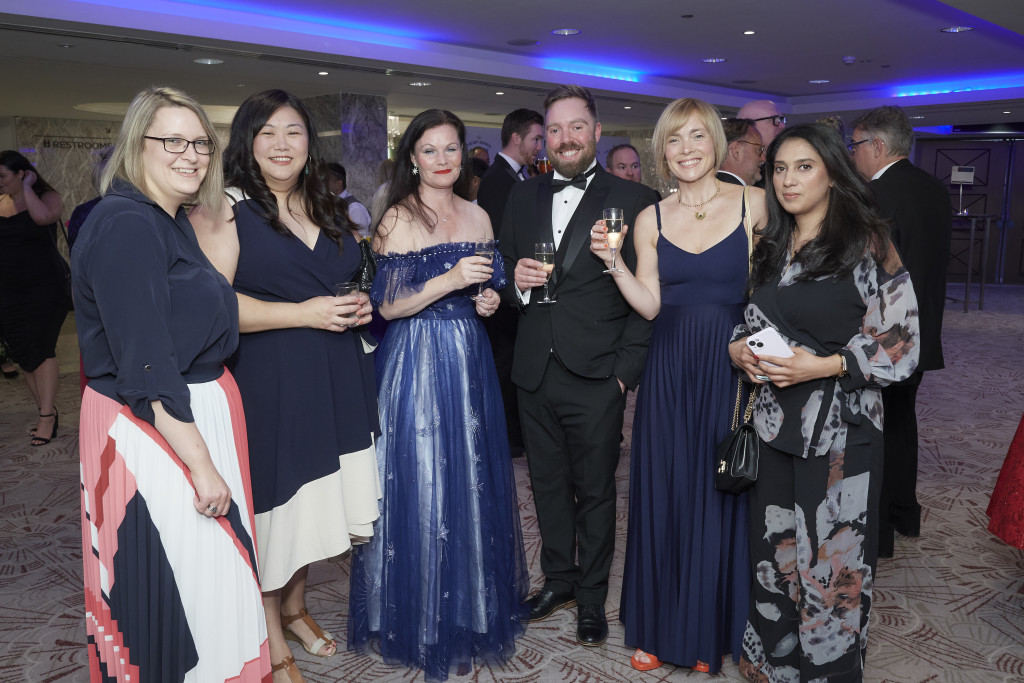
(179, 145)
(853, 145)
(760, 148)
(776, 120)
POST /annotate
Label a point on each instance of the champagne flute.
(545, 253)
(483, 247)
(613, 224)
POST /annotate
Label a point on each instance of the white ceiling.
(462, 48)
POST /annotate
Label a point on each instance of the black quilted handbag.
(737, 454)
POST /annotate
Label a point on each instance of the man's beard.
(570, 169)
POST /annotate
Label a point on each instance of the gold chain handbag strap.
(749, 410)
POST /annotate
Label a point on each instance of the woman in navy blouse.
(171, 585)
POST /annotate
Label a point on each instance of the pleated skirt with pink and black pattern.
(170, 595)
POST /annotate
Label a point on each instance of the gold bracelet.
(842, 367)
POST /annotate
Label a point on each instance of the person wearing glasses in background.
(171, 585)
(768, 120)
(745, 154)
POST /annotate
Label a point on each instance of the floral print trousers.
(814, 547)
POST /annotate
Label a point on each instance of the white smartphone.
(768, 342)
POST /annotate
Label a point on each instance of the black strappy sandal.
(41, 440)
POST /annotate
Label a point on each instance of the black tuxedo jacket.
(919, 207)
(728, 178)
(497, 181)
(592, 331)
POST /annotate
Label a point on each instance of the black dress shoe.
(546, 602)
(591, 625)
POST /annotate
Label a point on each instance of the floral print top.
(869, 316)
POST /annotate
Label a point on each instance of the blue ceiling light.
(943, 87)
(273, 11)
(598, 70)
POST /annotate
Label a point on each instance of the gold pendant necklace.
(699, 215)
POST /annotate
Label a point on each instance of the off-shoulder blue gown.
(441, 583)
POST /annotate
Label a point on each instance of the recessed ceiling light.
(499, 93)
(566, 31)
(713, 60)
(321, 73)
(419, 84)
(957, 29)
(818, 81)
(687, 16)
(1006, 112)
(748, 33)
(208, 60)
(629, 107)
(915, 117)
(523, 42)
(65, 45)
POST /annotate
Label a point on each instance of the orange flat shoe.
(702, 667)
(644, 661)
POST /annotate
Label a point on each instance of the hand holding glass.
(485, 248)
(345, 289)
(613, 224)
(545, 253)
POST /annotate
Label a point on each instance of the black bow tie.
(579, 181)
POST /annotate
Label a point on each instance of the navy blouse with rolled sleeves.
(152, 313)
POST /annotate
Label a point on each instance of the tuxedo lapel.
(578, 230)
(511, 171)
(545, 233)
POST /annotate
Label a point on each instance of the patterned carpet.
(949, 607)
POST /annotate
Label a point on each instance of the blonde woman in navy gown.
(441, 582)
(685, 586)
(171, 585)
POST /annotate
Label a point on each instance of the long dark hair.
(311, 188)
(403, 190)
(16, 161)
(851, 221)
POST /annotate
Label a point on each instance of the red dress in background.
(1007, 505)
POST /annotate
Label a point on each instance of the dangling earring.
(307, 165)
(415, 169)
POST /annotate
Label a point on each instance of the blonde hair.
(126, 161)
(673, 118)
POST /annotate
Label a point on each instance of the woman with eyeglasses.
(172, 591)
(826, 277)
(33, 299)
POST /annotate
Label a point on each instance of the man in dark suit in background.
(522, 136)
(918, 205)
(745, 153)
(574, 359)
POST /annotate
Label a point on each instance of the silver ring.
(212, 508)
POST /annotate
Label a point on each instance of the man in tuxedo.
(921, 216)
(744, 155)
(522, 136)
(574, 359)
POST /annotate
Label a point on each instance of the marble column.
(353, 131)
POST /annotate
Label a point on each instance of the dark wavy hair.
(403, 190)
(16, 161)
(851, 221)
(312, 190)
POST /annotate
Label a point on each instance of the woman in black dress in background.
(33, 302)
(826, 277)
